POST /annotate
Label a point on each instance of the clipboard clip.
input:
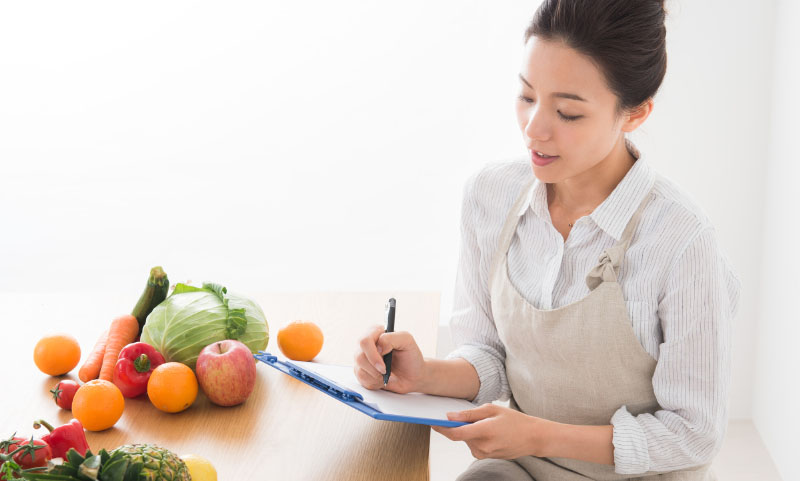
(313, 379)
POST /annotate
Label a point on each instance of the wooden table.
(285, 431)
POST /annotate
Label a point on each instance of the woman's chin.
(545, 174)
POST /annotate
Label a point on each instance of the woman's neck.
(585, 191)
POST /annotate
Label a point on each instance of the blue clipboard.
(351, 398)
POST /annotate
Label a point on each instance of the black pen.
(387, 358)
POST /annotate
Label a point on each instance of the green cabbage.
(192, 318)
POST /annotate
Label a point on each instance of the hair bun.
(603, 30)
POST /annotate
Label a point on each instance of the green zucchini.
(154, 292)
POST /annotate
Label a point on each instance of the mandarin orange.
(172, 387)
(300, 340)
(57, 354)
(98, 405)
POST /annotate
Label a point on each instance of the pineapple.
(158, 464)
(134, 462)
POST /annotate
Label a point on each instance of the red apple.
(226, 371)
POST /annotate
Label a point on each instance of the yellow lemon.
(200, 469)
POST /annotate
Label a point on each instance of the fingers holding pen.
(369, 367)
(372, 351)
(366, 373)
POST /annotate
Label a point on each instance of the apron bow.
(607, 268)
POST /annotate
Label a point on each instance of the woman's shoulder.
(676, 208)
(680, 225)
(675, 221)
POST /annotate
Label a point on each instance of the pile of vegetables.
(161, 330)
(178, 326)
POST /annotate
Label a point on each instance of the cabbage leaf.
(193, 317)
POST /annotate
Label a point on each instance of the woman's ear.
(636, 116)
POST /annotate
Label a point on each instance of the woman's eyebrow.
(563, 95)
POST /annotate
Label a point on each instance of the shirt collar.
(613, 214)
(537, 200)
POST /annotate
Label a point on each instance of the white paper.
(416, 404)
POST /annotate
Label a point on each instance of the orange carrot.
(91, 367)
(122, 332)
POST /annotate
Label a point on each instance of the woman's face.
(565, 109)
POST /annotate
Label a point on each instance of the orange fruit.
(98, 405)
(57, 354)
(300, 340)
(172, 387)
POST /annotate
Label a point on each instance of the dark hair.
(626, 39)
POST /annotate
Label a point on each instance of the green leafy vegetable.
(193, 317)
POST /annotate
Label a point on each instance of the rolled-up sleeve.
(471, 324)
(691, 382)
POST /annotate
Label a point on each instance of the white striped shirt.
(679, 287)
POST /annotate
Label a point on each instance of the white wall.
(322, 145)
(777, 394)
(268, 145)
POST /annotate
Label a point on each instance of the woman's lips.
(542, 161)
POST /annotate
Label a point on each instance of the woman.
(591, 291)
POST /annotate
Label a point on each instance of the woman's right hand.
(408, 365)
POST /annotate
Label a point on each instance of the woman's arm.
(696, 307)
(471, 324)
(504, 433)
(450, 377)
(587, 443)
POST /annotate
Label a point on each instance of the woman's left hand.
(497, 432)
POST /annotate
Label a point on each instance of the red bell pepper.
(135, 363)
(62, 438)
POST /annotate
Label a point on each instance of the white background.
(323, 145)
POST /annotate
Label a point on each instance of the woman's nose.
(538, 127)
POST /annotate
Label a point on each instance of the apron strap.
(510, 227)
(607, 269)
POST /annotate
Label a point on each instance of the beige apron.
(577, 364)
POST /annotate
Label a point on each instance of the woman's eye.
(566, 118)
(569, 118)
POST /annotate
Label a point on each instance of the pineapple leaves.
(75, 459)
(116, 467)
(89, 469)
